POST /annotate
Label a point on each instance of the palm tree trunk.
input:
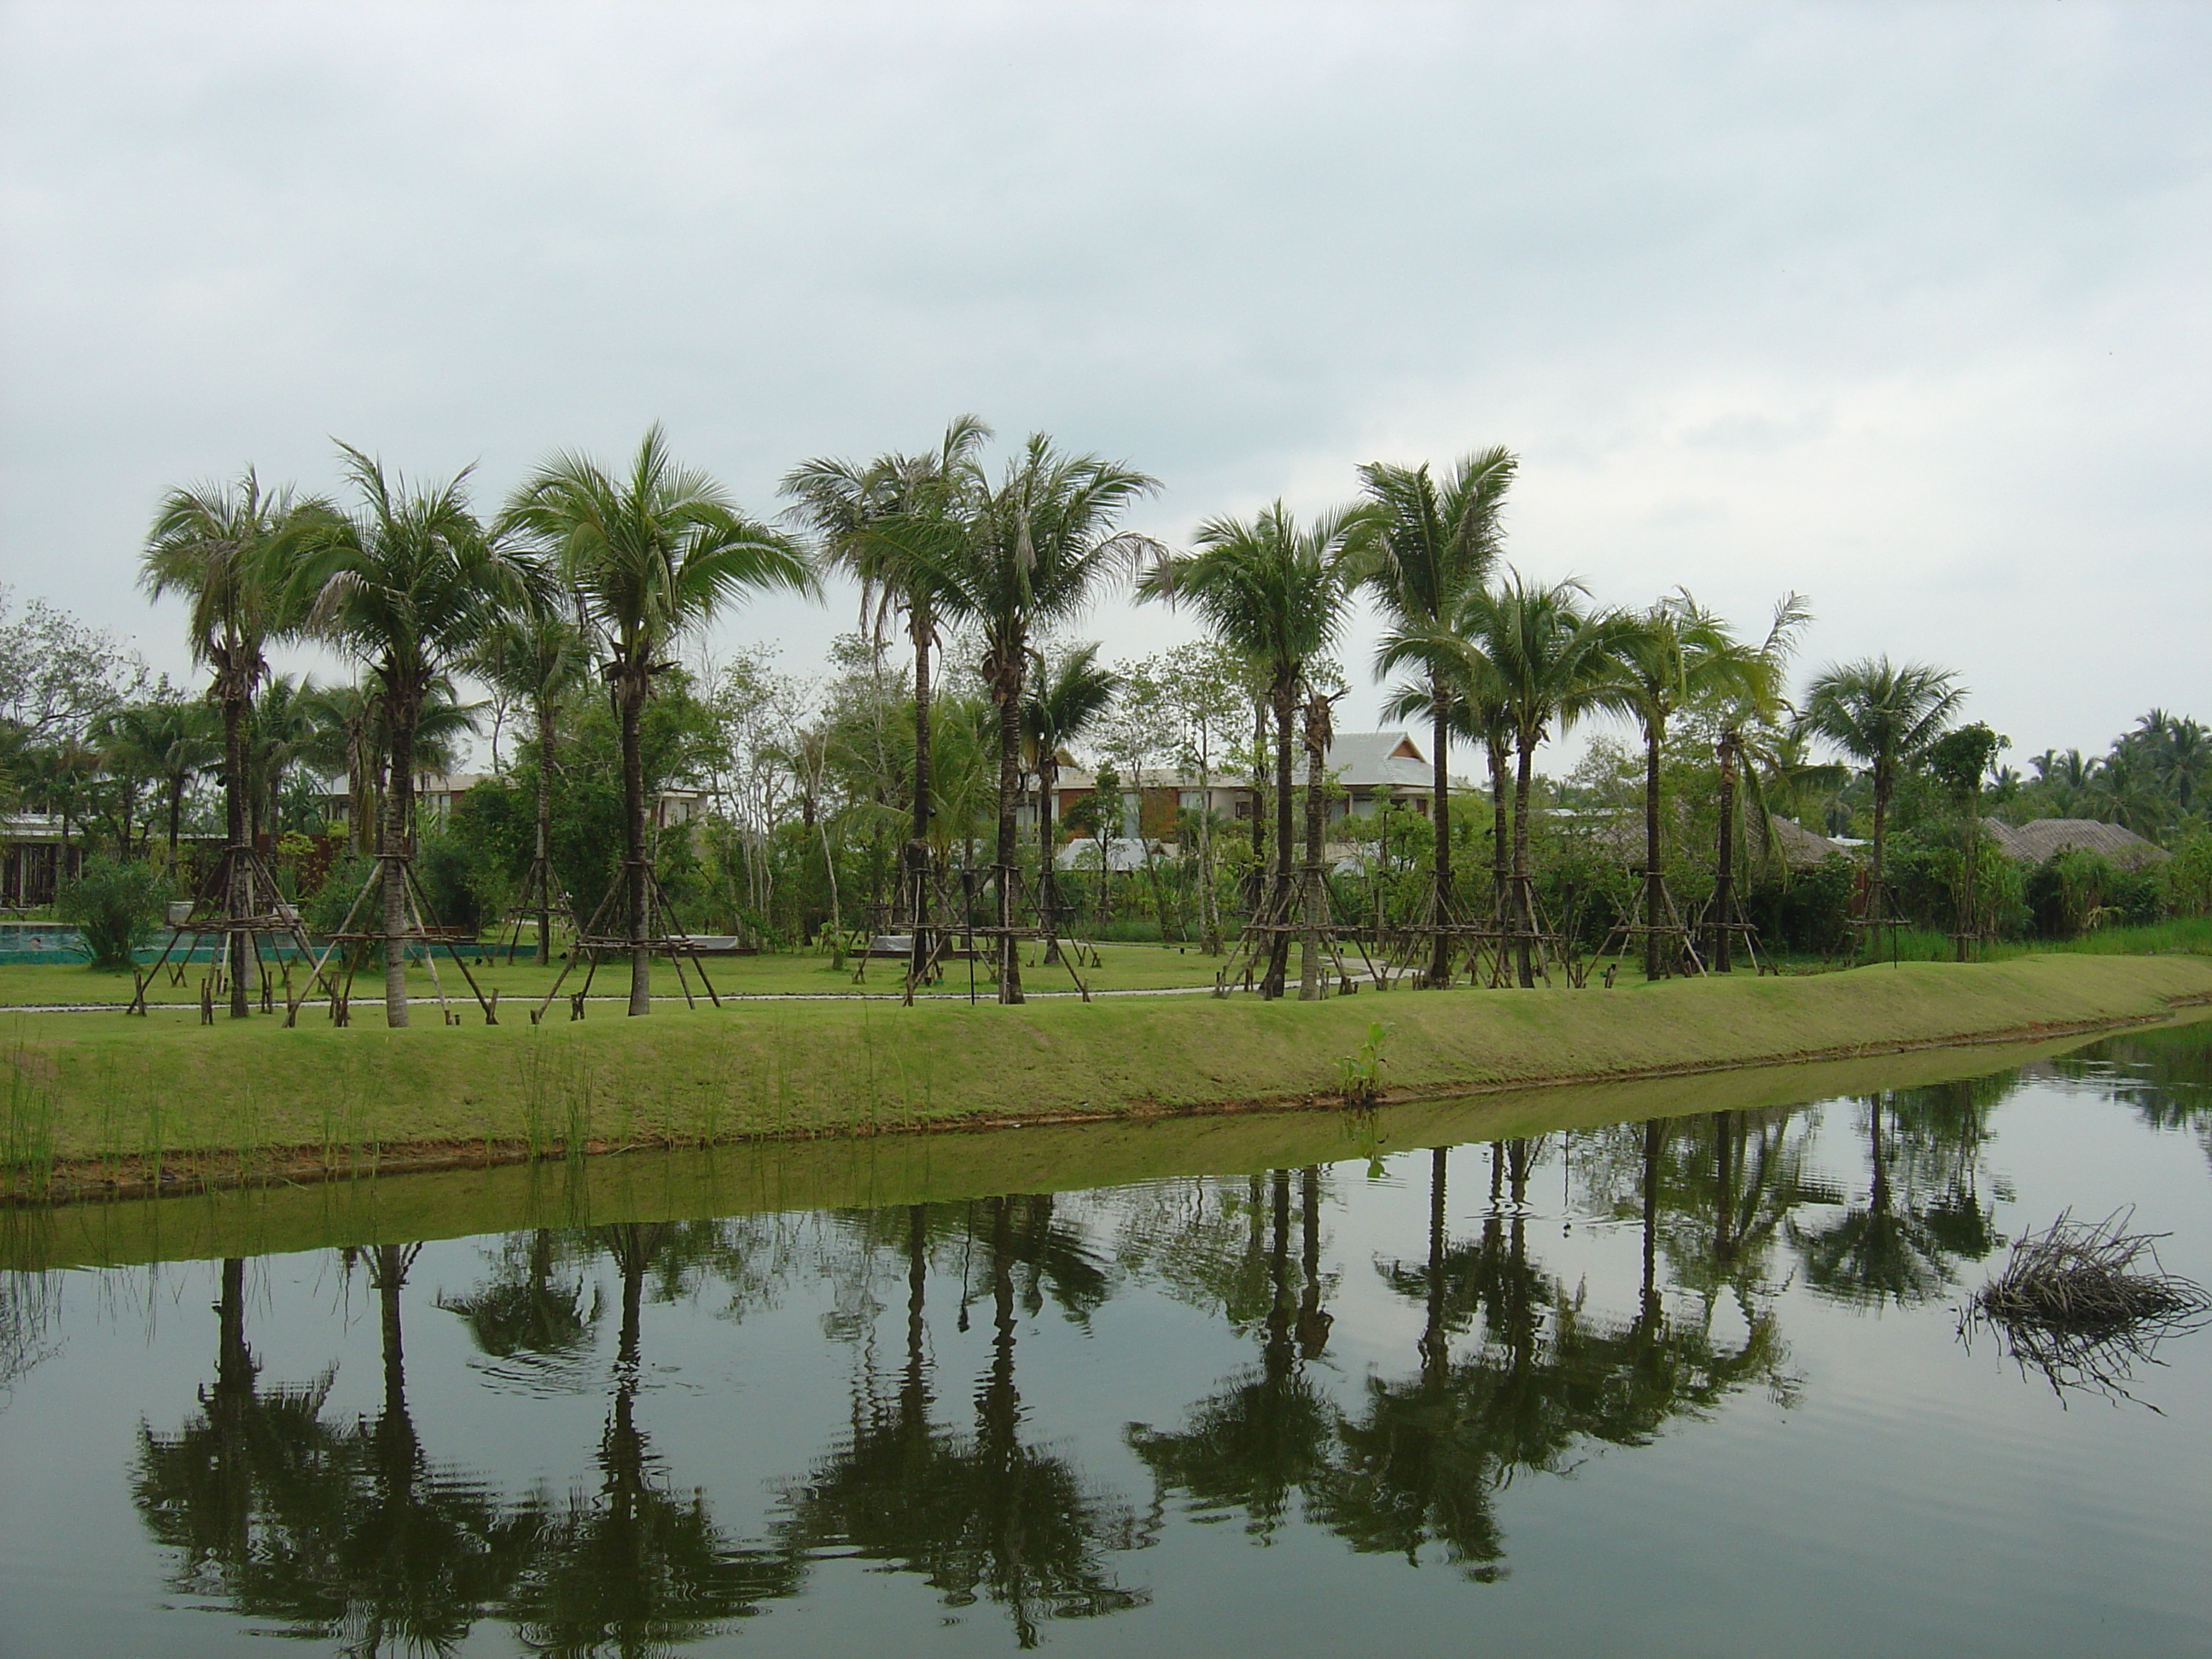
(1725, 870)
(916, 882)
(1877, 899)
(1313, 897)
(176, 816)
(1524, 908)
(1259, 801)
(630, 698)
(1440, 956)
(393, 851)
(1501, 851)
(1047, 907)
(1010, 789)
(545, 840)
(1654, 731)
(1278, 904)
(236, 902)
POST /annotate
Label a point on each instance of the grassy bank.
(869, 1171)
(100, 1103)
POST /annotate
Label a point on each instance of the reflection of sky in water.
(1868, 1486)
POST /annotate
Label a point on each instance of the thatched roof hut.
(2039, 838)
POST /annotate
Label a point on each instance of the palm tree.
(842, 504)
(1068, 697)
(1276, 595)
(228, 550)
(1679, 655)
(1883, 715)
(650, 554)
(1548, 661)
(408, 583)
(1434, 544)
(1013, 558)
(169, 743)
(535, 653)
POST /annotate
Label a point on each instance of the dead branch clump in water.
(2076, 1303)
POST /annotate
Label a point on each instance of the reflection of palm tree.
(350, 1535)
(1900, 1244)
(632, 1568)
(982, 1516)
(528, 1317)
(1267, 1434)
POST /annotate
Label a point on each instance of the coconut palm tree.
(841, 503)
(649, 554)
(1549, 662)
(1013, 558)
(407, 582)
(229, 550)
(1678, 655)
(1069, 695)
(1278, 595)
(168, 742)
(1883, 715)
(1433, 544)
(536, 653)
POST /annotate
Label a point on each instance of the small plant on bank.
(1362, 1070)
(115, 907)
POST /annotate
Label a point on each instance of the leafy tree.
(535, 653)
(650, 554)
(1434, 544)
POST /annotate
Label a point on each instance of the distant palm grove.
(960, 769)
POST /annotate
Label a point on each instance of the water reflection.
(353, 1532)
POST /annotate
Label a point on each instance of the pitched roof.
(2039, 838)
(1379, 758)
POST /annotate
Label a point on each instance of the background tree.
(1071, 693)
(408, 582)
(843, 505)
(1434, 544)
(534, 653)
(229, 550)
(1276, 595)
(650, 554)
(1883, 715)
(1013, 558)
(1550, 662)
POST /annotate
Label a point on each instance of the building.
(1370, 770)
(435, 792)
(32, 863)
(2034, 842)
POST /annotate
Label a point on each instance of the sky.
(1902, 307)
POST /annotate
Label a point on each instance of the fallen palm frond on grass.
(2075, 1304)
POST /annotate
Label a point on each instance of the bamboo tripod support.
(239, 898)
(676, 946)
(418, 930)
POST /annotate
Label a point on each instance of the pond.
(1689, 1385)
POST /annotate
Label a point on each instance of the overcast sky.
(1903, 307)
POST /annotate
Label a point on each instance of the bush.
(2188, 875)
(117, 907)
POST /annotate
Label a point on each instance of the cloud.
(1897, 306)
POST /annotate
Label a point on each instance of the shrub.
(2188, 875)
(117, 907)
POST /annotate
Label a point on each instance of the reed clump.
(2085, 1302)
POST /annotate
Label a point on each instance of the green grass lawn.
(1122, 968)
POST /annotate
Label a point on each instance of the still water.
(1692, 1385)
